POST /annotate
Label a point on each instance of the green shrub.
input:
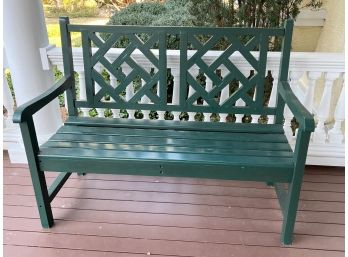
(171, 13)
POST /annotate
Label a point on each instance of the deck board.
(113, 215)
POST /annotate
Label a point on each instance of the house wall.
(326, 38)
(331, 38)
(305, 39)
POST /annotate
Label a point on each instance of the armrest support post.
(300, 112)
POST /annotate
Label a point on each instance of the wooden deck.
(126, 216)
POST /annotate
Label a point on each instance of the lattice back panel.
(142, 84)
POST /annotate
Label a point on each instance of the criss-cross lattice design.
(225, 62)
(139, 47)
(124, 61)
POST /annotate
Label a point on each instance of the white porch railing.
(316, 78)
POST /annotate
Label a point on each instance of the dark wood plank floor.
(110, 215)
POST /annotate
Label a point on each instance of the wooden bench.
(214, 150)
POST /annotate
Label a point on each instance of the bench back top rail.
(150, 93)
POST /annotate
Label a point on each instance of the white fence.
(316, 78)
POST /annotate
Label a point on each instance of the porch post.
(24, 34)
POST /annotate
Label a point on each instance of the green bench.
(214, 150)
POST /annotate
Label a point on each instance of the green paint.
(252, 152)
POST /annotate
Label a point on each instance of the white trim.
(44, 56)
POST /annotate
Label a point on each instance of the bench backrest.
(194, 43)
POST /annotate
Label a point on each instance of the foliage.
(264, 13)
(10, 84)
(71, 8)
(246, 13)
(171, 13)
(113, 4)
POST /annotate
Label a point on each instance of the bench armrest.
(27, 110)
(301, 114)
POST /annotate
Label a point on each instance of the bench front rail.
(240, 151)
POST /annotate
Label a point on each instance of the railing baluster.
(323, 111)
(225, 94)
(176, 91)
(273, 97)
(161, 114)
(113, 83)
(336, 135)
(100, 111)
(129, 90)
(240, 102)
(288, 116)
(255, 117)
(191, 92)
(145, 100)
(208, 87)
(308, 102)
(83, 96)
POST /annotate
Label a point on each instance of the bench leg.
(81, 174)
(42, 198)
(289, 211)
(292, 197)
(37, 176)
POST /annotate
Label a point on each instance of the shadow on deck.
(110, 215)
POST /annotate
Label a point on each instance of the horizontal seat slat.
(274, 169)
(166, 157)
(142, 147)
(163, 148)
(176, 125)
(170, 141)
(225, 136)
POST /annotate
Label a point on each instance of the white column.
(24, 34)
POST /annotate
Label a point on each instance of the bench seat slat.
(179, 143)
(207, 135)
(146, 168)
(238, 152)
(173, 135)
(176, 125)
(171, 141)
(164, 148)
(167, 157)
